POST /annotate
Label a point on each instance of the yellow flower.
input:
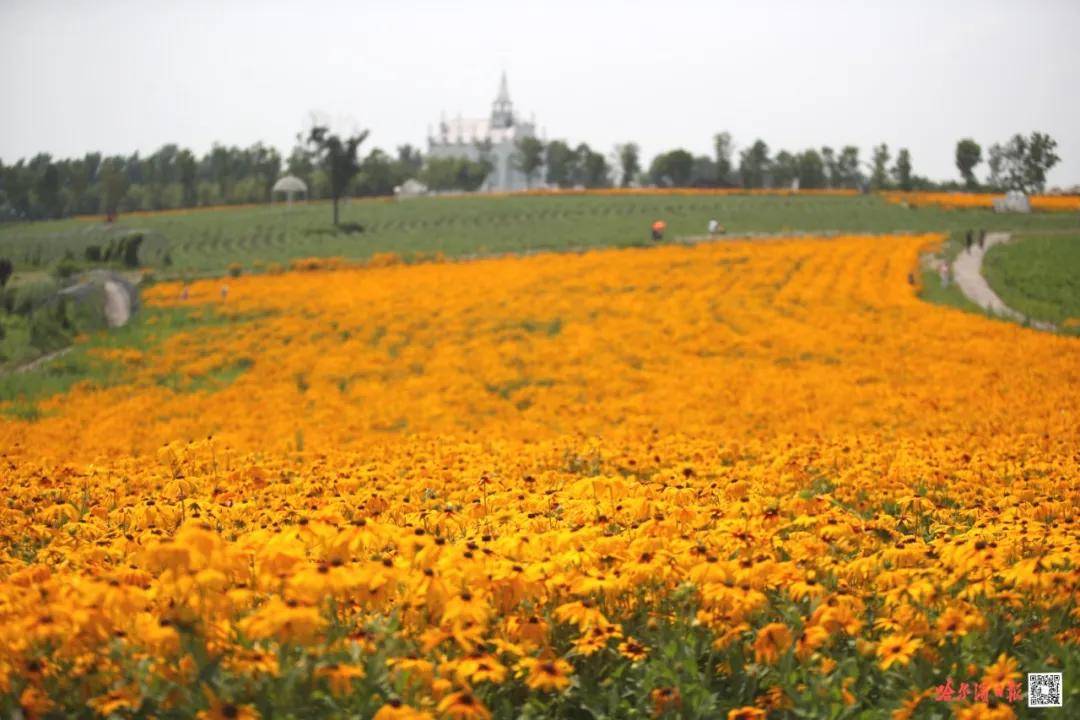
(746, 713)
(772, 641)
(224, 710)
(582, 613)
(897, 650)
(125, 698)
(479, 667)
(982, 711)
(596, 638)
(396, 710)
(340, 677)
(632, 650)
(546, 675)
(1001, 673)
(812, 638)
(665, 699)
(463, 705)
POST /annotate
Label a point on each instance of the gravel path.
(967, 272)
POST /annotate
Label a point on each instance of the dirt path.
(967, 271)
(37, 362)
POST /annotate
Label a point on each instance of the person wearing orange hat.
(658, 229)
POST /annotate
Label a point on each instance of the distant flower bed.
(1042, 203)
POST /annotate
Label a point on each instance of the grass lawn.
(205, 242)
(99, 360)
(1039, 275)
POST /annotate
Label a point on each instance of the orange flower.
(340, 677)
(665, 699)
(772, 641)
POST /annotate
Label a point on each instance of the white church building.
(494, 138)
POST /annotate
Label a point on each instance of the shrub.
(131, 251)
(65, 268)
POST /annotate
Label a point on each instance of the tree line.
(1021, 163)
(175, 177)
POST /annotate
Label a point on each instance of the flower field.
(968, 201)
(731, 480)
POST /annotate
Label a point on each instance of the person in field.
(658, 228)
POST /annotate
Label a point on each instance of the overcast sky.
(121, 76)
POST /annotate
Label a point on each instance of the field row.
(209, 241)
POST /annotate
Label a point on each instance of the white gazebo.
(290, 185)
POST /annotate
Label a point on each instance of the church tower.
(502, 110)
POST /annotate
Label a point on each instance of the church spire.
(502, 110)
(504, 90)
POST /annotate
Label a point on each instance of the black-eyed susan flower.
(897, 650)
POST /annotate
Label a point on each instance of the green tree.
(902, 170)
(410, 161)
(376, 176)
(455, 173)
(629, 162)
(529, 157)
(754, 164)
(264, 164)
(811, 170)
(338, 159)
(672, 169)
(301, 164)
(847, 167)
(186, 167)
(1041, 156)
(785, 169)
(591, 167)
(828, 156)
(560, 162)
(114, 185)
(724, 148)
(996, 161)
(221, 161)
(46, 186)
(879, 179)
(703, 172)
(968, 155)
